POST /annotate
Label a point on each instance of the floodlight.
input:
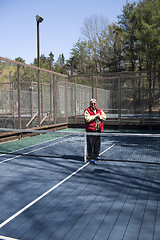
(39, 19)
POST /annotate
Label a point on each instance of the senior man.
(94, 118)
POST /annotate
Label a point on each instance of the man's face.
(93, 105)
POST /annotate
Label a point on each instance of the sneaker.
(98, 158)
(92, 161)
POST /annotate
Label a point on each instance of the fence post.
(13, 103)
(10, 95)
(119, 100)
(39, 100)
(143, 100)
(96, 87)
(150, 100)
(92, 86)
(31, 99)
(50, 114)
(42, 99)
(66, 98)
(19, 97)
(54, 99)
(75, 99)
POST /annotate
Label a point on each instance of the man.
(93, 123)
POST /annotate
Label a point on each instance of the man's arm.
(88, 117)
(102, 116)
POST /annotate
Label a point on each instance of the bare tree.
(94, 31)
(93, 27)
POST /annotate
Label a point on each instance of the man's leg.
(90, 146)
(97, 145)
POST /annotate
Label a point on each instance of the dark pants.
(93, 145)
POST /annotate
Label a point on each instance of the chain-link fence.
(80, 91)
(30, 96)
(127, 98)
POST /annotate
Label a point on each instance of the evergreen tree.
(148, 33)
(19, 59)
(140, 28)
(127, 23)
(60, 65)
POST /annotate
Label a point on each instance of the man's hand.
(97, 115)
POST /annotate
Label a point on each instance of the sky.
(60, 30)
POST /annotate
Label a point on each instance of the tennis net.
(129, 147)
(124, 147)
(44, 144)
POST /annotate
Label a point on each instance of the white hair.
(93, 100)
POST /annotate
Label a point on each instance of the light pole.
(39, 20)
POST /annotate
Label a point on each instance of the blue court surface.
(47, 191)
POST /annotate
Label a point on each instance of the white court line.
(107, 149)
(9, 159)
(7, 238)
(40, 197)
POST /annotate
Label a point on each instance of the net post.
(85, 147)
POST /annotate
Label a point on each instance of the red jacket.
(91, 126)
